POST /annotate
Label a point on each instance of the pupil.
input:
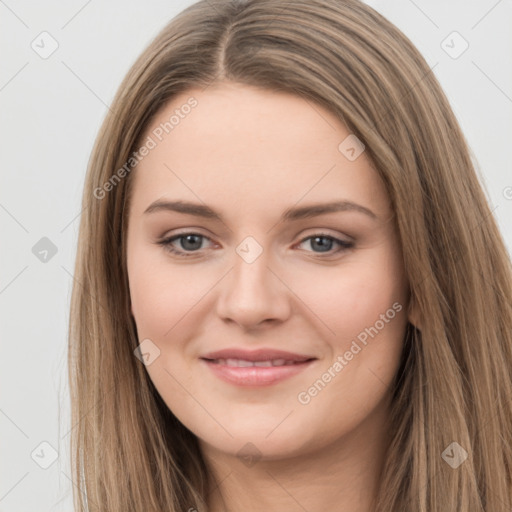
(186, 240)
(325, 249)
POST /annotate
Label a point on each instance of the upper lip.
(263, 354)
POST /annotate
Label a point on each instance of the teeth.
(262, 363)
(242, 363)
(239, 362)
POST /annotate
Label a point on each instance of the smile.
(255, 373)
(246, 363)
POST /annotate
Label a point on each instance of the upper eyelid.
(177, 236)
(304, 238)
(318, 232)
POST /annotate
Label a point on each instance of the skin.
(250, 154)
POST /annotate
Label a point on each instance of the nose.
(253, 294)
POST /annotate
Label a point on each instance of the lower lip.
(256, 375)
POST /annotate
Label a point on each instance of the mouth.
(258, 368)
(243, 363)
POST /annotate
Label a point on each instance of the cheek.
(361, 307)
(364, 308)
(350, 298)
(163, 296)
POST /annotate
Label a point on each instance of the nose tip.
(252, 295)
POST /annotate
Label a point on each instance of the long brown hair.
(454, 385)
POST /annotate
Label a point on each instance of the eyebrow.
(291, 214)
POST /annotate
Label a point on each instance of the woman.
(264, 369)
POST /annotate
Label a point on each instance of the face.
(320, 294)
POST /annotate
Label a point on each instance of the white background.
(51, 110)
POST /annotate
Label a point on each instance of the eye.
(318, 240)
(191, 243)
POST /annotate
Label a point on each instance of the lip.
(256, 375)
(262, 354)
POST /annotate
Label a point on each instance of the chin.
(251, 446)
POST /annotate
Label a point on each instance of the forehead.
(251, 149)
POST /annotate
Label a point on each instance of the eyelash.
(166, 243)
